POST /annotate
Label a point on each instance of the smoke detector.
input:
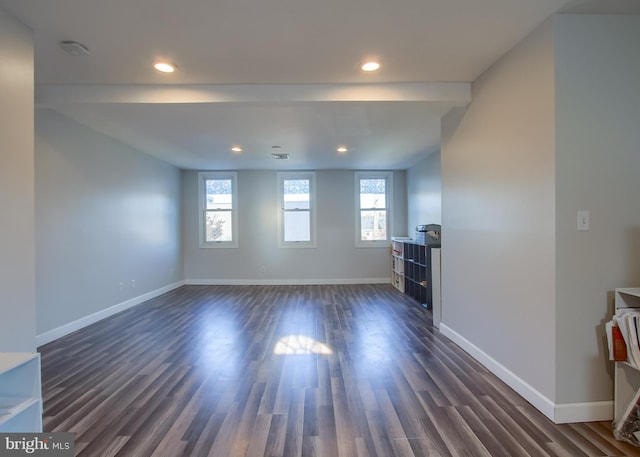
(74, 48)
(276, 154)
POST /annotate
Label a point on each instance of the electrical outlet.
(121, 285)
(133, 283)
(583, 220)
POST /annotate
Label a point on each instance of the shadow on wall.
(601, 335)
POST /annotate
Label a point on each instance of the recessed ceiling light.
(236, 149)
(342, 149)
(370, 66)
(164, 67)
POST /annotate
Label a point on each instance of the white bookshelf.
(397, 262)
(627, 375)
(20, 392)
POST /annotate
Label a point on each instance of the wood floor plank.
(494, 439)
(201, 371)
(277, 436)
(259, 436)
(603, 432)
(381, 440)
(534, 444)
(295, 424)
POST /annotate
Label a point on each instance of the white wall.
(105, 214)
(498, 218)
(424, 192)
(17, 248)
(552, 129)
(259, 260)
(598, 169)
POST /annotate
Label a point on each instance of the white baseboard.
(583, 412)
(71, 327)
(283, 282)
(558, 413)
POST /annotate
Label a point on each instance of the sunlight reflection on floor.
(300, 344)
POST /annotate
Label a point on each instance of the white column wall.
(598, 169)
(498, 218)
(17, 244)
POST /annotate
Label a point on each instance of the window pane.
(373, 225)
(296, 194)
(218, 226)
(218, 193)
(373, 193)
(297, 226)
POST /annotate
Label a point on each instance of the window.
(373, 209)
(218, 210)
(296, 212)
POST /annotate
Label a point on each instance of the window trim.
(202, 177)
(388, 176)
(286, 175)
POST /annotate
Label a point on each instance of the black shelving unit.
(417, 272)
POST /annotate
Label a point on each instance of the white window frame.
(202, 208)
(388, 176)
(311, 176)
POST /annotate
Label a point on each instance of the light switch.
(583, 220)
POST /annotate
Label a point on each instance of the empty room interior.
(199, 201)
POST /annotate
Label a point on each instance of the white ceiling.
(260, 73)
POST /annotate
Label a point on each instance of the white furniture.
(627, 378)
(397, 262)
(20, 392)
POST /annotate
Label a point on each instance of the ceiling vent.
(74, 48)
(278, 155)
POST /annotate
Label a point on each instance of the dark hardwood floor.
(336, 371)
